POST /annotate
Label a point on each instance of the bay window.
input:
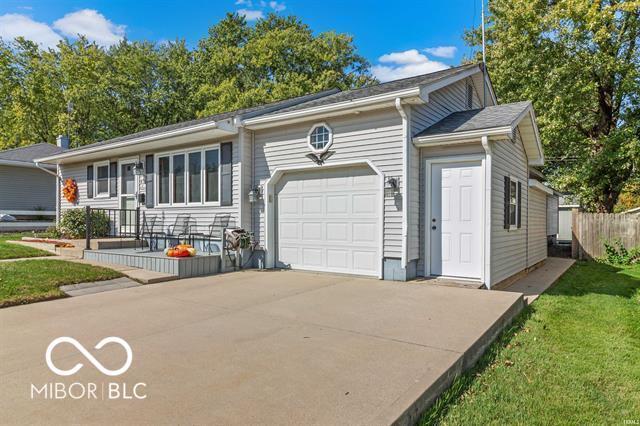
(189, 178)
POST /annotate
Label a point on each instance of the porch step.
(97, 286)
(142, 276)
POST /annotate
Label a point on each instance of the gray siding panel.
(537, 230)
(376, 136)
(441, 103)
(202, 214)
(26, 188)
(508, 247)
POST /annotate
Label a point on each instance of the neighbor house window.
(102, 179)
(320, 138)
(189, 178)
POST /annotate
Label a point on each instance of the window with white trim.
(188, 178)
(101, 182)
(513, 203)
(320, 138)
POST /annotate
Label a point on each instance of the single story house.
(421, 176)
(27, 191)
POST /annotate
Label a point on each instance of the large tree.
(579, 62)
(93, 93)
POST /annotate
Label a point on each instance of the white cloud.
(14, 25)
(251, 15)
(278, 7)
(243, 2)
(442, 51)
(405, 64)
(92, 24)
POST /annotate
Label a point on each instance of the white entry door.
(455, 222)
(329, 221)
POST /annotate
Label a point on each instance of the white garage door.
(329, 221)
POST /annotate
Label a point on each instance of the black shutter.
(226, 174)
(149, 190)
(113, 179)
(89, 181)
(507, 196)
(519, 221)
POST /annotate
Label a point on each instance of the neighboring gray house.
(416, 177)
(25, 189)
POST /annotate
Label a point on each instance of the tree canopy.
(579, 62)
(92, 93)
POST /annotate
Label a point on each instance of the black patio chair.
(180, 230)
(214, 231)
(152, 229)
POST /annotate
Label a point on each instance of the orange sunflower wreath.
(70, 190)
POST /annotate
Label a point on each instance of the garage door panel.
(312, 231)
(364, 204)
(328, 220)
(337, 259)
(337, 232)
(337, 204)
(364, 233)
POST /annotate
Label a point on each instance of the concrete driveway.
(248, 347)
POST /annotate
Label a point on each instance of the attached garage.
(329, 220)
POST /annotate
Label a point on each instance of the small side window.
(320, 138)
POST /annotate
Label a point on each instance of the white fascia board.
(225, 125)
(460, 136)
(13, 163)
(534, 183)
(439, 84)
(265, 121)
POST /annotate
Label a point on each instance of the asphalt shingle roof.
(477, 119)
(29, 153)
(294, 104)
(391, 86)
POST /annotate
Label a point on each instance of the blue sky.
(399, 39)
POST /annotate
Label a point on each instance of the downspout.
(58, 180)
(405, 180)
(488, 177)
(241, 196)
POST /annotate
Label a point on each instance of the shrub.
(617, 253)
(72, 223)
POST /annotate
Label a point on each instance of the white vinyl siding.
(508, 246)
(537, 229)
(376, 136)
(552, 214)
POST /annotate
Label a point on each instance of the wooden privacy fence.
(591, 230)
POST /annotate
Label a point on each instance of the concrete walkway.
(253, 347)
(83, 289)
(536, 282)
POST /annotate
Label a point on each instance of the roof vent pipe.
(63, 142)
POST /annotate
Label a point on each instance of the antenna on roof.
(484, 59)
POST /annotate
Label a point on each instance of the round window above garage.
(320, 138)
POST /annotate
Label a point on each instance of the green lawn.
(26, 281)
(16, 251)
(573, 357)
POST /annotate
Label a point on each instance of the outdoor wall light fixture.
(138, 169)
(392, 187)
(254, 195)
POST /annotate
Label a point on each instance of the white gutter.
(472, 134)
(534, 183)
(406, 140)
(488, 178)
(414, 91)
(15, 163)
(178, 132)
